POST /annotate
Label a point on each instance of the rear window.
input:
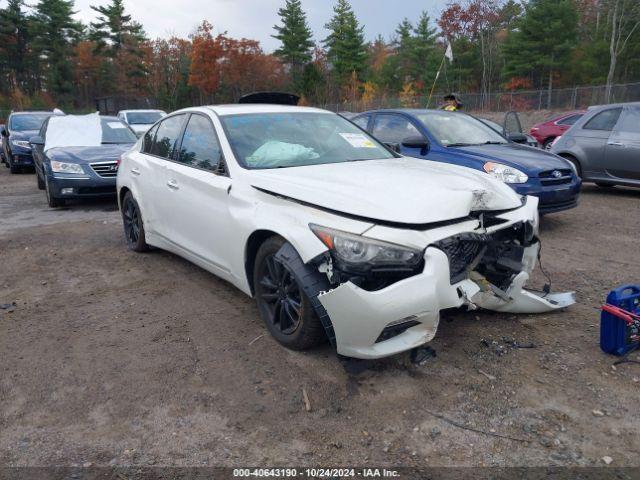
(570, 120)
(143, 118)
(114, 131)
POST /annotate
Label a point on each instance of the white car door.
(150, 173)
(196, 209)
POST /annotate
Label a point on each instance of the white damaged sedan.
(334, 235)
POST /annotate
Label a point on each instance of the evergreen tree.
(114, 29)
(14, 39)
(541, 46)
(295, 36)
(55, 33)
(404, 49)
(424, 55)
(120, 38)
(346, 49)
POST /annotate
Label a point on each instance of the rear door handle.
(135, 171)
(173, 185)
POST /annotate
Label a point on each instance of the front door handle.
(173, 185)
(135, 171)
(616, 144)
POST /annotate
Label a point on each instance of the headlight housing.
(365, 253)
(21, 144)
(64, 167)
(505, 173)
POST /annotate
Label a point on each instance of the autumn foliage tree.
(206, 52)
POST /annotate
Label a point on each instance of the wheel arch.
(255, 240)
(573, 159)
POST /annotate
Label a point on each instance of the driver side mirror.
(37, 140)
(416, 141)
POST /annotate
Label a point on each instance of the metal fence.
(523, 100)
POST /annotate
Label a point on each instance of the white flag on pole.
(449, 52)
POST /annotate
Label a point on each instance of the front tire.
(285, 309)
(54, 202)
(133, 224)
(40, 181)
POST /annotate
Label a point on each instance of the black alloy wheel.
(280, 295)
(133, 226)
(284, 307)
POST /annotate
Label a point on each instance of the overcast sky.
(255, 18)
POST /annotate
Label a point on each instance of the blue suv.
(458, 138)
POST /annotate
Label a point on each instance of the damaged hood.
(402, 190)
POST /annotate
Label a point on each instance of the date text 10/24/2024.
(315, 472)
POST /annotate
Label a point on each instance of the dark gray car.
(605, 145)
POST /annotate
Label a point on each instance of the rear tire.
(133, 224)
(285, 309)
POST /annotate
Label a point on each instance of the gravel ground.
(115, 358)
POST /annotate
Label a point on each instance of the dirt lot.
(111, 357)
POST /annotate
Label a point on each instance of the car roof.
(613, 105)
(236, 109)
(35, 112)
(410, 111)
(141, 110)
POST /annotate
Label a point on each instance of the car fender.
(254, 211)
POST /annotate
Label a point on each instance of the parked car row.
(357, 231)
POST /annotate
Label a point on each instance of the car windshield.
(453, 129)
(294, 139)
(143, 118)
(492, 124)
(31, 121)
(114, 131)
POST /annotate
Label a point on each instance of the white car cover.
(74, 131)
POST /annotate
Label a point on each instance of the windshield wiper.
(461, 145)
(494, 143)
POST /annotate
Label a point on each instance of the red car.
(545, 133)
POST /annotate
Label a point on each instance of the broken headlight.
(359, 251)
(505, 173)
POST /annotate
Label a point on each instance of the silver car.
(604, 145)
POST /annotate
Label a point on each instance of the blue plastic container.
(615, 333)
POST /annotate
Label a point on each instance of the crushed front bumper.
(372, 324)
(359, 317)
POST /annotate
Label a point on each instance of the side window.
(167, 136)
(362, 121)
(630, 122)
(148, 139)
(393, 128)
(200, 147)
(605, 120)
(569, 120)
